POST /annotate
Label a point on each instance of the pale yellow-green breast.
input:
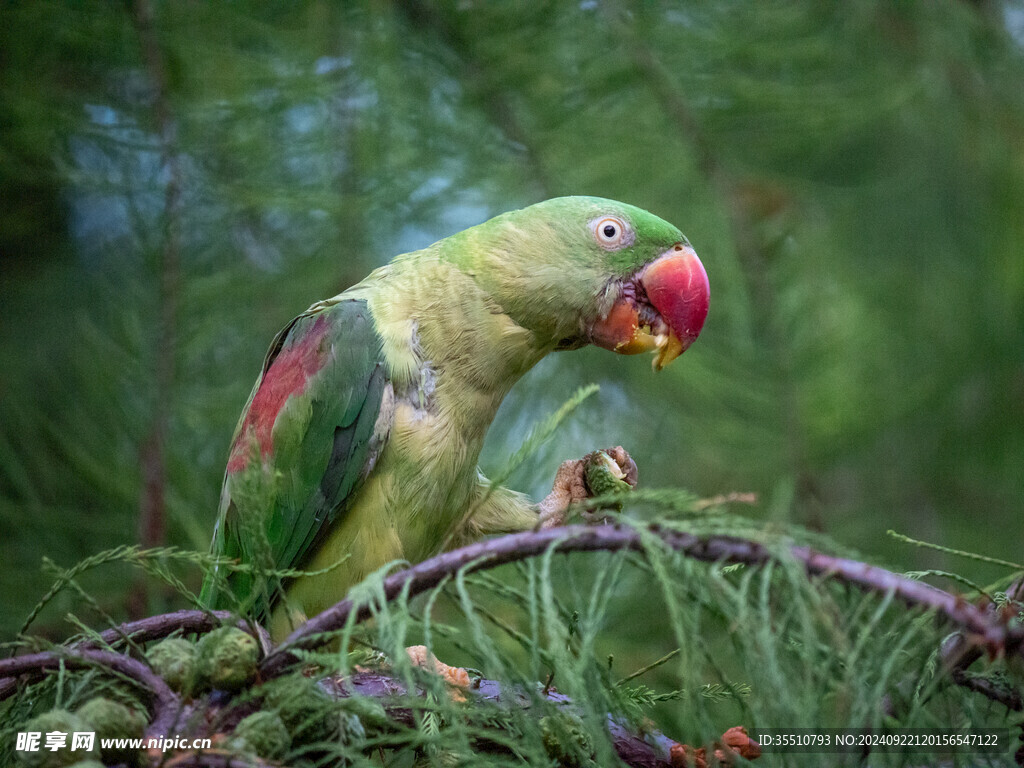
(451, 356)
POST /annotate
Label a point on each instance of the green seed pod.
(263, 734)
(603, 474)
(61, 721)
(174, 660)
(227, 659)
(566, 740)
(308, 713)
(113, 720)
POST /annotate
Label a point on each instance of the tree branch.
(34, 665)
(988, 631)
(142, 631)
(152, 458)
(158, 627)
(982, 630)
(1003, 694)
(649, 751)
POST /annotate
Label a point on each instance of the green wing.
(301, 450)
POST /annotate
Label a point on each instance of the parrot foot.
(456, 677)
(596, 474)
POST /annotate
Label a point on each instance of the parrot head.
(591, 270)
(659, 298)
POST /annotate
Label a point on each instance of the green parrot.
(360, 440)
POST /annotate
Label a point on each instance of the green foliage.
(309, 715)
(851, 175)
(759, 647)
(153, 561)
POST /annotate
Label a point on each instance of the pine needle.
(957, 552)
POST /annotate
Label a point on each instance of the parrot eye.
(611, 232)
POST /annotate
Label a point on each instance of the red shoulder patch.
(286, 377)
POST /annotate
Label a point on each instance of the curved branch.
(1003, 694)
(993, 634)
(142, 631)
(37, 663)
(158, 627)
(984, 629)
(165, 706)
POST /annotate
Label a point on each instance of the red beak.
(671, 315)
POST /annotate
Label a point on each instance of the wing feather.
(302, 447)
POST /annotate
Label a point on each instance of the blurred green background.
(178, 179)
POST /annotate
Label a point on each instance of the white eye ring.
(611, 232)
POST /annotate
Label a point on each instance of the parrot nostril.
(677, 247)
